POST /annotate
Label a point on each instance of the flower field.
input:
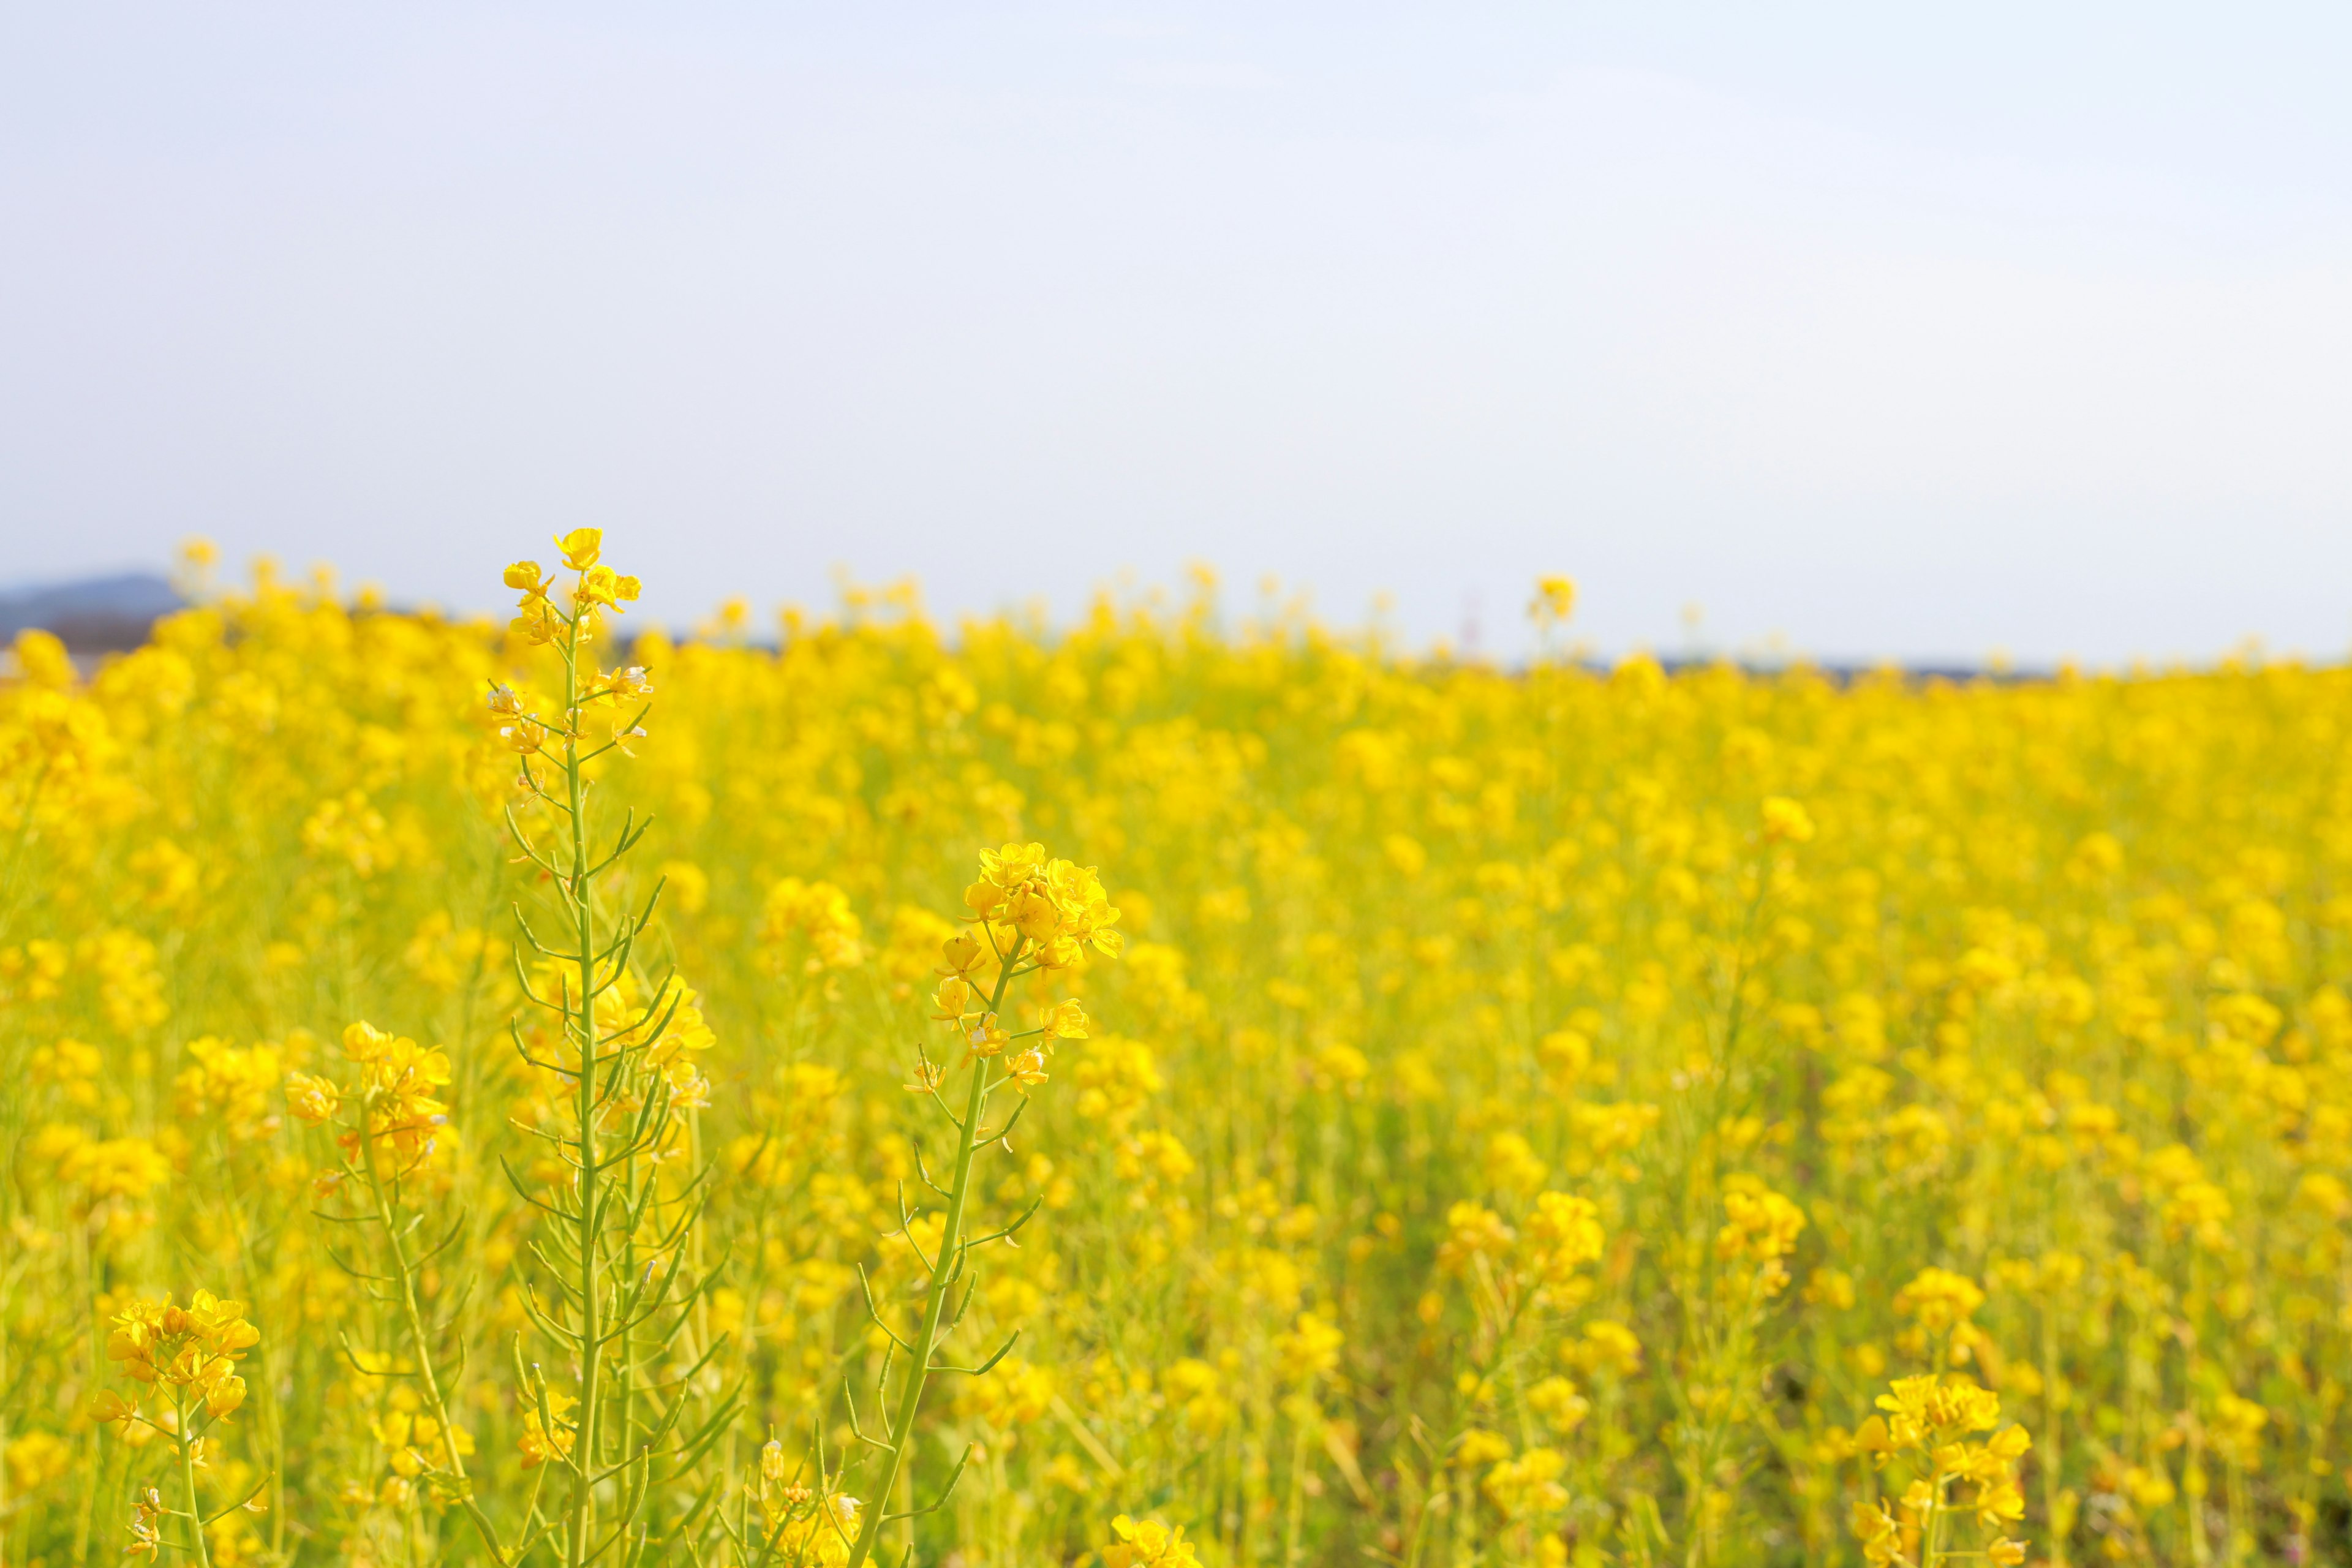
(479, 1092)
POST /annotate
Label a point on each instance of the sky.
(1854, 331)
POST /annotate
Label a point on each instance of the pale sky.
(1890, 331)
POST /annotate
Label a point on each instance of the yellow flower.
(952, 1000)
(398, 1083)
(580, 547)
(1309, 1350)
(1606, 1346)
(804, 1529)
(1528, 1484)
(2200, 1209)
(224, 1392)
(1148, 1545)
(987, 1037)
(1563, 1232)
(1558, 1401)
(111, 1167)
(1002, 872)
(629, 685)
(1760, 1224)
(1998, 1502)
(230, 1084)
(145, 1535)
(1881, 1537)
(818, 913)
(33, 1459)
(1480, 1448)
(1931, 1405)
(194, 1348)
(538, 624)
(1052, 906)
(538, 1444)
(1192, 1388)
(1473, 1231)
(312, 1100)
(111, 1409)
(1939, 1299)
(1031, 910)
(1786, 821)
(602, 585)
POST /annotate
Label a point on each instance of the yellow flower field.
(1174, 1090)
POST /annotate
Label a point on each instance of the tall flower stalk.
(611, 1414)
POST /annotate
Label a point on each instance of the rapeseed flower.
(1491, 1052)
(1147, 1544)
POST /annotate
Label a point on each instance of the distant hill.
(94, 615)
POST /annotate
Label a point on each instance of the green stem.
(405, 1274)
(2053, 1441)
(1294, 1523)
(585, 1440)
(630, 1192)
(90, 1271)
(188, 1484)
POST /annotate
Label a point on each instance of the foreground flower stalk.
(1033, 917)
(190, 1355)
(616, 1120)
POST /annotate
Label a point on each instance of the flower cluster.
(1760, 1226)
(190, 1354)
(401, 1117)
(1050, 908)
(1035, 914)
(1147, 1544)
(529, 727)
(598, 586)
(1927, 1421)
